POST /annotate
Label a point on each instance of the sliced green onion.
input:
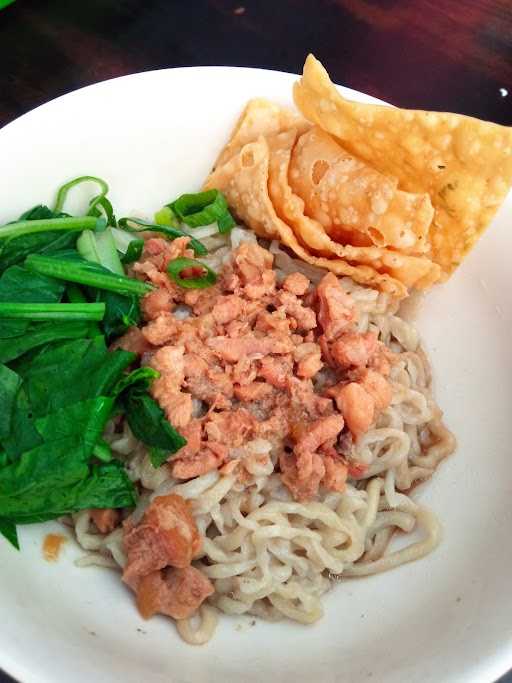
(64, 190)
(166, 216)
(100, 248)
(53, 311)
(203, 208)
(101, 205)
(226, 223)
(49, 224)
(139, 225)
(178, 265)
(84, 274)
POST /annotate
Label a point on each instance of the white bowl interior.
(447, 617)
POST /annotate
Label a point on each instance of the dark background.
(453, 55)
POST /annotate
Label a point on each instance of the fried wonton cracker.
(464, 164)
(357, 204)
(244, 180)
(260, 117)
(412, 271)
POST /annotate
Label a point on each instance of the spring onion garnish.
(52, 311)
(191, 274)
(166, 216)
(139, 225)
(85, 273)
(101, 205)
(203, 208)
(64, 190)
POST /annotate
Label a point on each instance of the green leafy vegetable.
(102, 451)
(74, 294)
(10, 384)
(61, 459)
(149, 424)
(41, 212)
(129, 245)
(134, 251)
(103, 486)
(56, 476)
(203, 208)
(82, 422)
(201, 275)
(85, 273)
(19, 285)
(16, 250)
(69, 372)
(121, 313)
(142, 377)
(101, 249)
(23, 435)
(122, 239)
(172, 233)
(60, 276)
(53, 311)
(8, 528)
(30, 337)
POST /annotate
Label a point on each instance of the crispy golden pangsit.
(464, 164)
(390, 197)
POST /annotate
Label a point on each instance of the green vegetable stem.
(31, 227)
(85, 273)
(53, 311)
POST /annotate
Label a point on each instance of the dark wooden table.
(453, 55)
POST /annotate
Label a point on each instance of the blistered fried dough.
(464, 164)
(412, 271)
(355, 203)
(260, 117)
(281, 129)
(244, 182)
(289, 206)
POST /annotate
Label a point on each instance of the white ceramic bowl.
(445, 618)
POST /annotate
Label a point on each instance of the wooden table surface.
(453, 55)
